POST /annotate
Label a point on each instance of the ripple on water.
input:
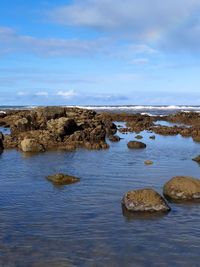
(83, 224)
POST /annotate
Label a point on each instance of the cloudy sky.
(84, 52)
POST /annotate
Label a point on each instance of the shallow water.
(83, 224)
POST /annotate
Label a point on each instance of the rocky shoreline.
(47, 128)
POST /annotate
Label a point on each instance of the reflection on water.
(5, 130)
(83, 224)
(170, 124)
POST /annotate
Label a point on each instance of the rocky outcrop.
(62, 179)
(31, 145)
(136, 145)
(144, 200)
(182, 188)
(58, 128)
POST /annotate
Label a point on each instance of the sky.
(91, 52)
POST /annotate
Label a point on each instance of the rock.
(197, 159)
(1, 141)
(144, 200)
(152, 137)
(136, 145)
(148, 162)
(31, 145)
(182, 188)
(114, 138)
(138, 136)
(62, 126)
(62, 179)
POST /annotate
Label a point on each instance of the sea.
(83, 224)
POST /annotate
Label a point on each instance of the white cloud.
(22, 93)
(42, 93)
(11, 42)
(67, 94)
(170, 24)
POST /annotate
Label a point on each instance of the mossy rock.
(62, 179)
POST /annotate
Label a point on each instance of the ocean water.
(130, 109)
(83, 224)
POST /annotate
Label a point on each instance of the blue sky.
(82, 52)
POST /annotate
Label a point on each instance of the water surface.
(83, 224)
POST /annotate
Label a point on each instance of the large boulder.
(62, 179)
(136, 145)
(144, 200)
(31, 145)
(182, 188)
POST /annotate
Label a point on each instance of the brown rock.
(136, 145)
(31, 145)
(182, 188)
(62, 179)
(197, 159)
(144, 200)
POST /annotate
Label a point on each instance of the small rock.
(114, 138)
(197, 159)
(182, 188)
(62, 179)
(136, 145)
(148, 162)
(138, 136)
(152, 137)
(144, 200)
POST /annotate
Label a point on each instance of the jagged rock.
(62, 126)
(31, 145)
(144, 200)
(182, 188)
(62, 179)
(136, 145)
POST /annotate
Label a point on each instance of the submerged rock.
(148, 162)
(31, 145)
(136, 145)
(62, 179)
(182, 188)
(144, 200)
(138, 136)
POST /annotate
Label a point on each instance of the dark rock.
(197, 159)
(1, 141)
(136, 145)
(62, 179)
(144, 200)
(152, 137)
